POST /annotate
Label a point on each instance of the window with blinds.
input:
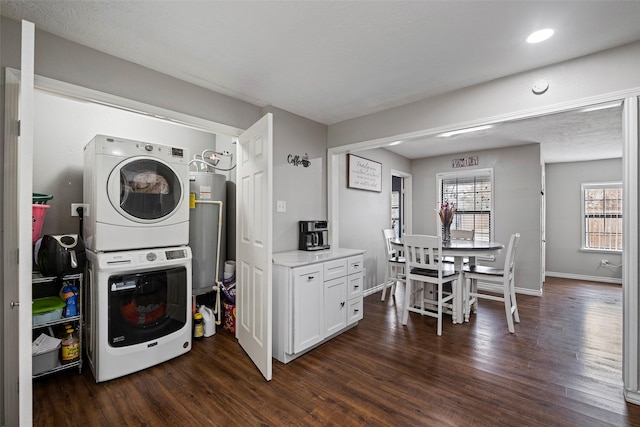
(472, 194)
(602, 216)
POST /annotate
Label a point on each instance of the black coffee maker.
(313, 235)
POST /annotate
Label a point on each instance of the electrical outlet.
(604, 262)
(75, 206)
(281, 206)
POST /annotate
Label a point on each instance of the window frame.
(485, 172)
(583, 230)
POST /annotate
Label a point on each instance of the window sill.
(601, 251)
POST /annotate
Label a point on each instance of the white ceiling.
(334, 60)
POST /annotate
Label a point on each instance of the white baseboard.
(614, 280)
(373, 290)
(632, 396)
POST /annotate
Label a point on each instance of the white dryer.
(137, 195)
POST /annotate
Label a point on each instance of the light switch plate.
(281, 206)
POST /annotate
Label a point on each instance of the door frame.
(89, 95)
(18, 187)
(630, 272)
(84, 94)
(406, 199)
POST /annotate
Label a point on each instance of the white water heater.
(207, 229)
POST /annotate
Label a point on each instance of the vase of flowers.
(446, 211)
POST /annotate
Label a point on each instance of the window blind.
(602, 216)
(472, 196)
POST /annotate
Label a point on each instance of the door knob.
(14, 304)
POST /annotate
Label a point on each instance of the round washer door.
(144, 189)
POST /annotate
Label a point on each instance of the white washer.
(136, 195)
(137, 309)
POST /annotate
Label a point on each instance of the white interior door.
(18, 179)
(253, 243)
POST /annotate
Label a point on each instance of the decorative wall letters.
(297, 160)
(467, 161)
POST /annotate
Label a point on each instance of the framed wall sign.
(364, 174)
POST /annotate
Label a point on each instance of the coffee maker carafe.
(313, 235)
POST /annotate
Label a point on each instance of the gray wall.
(304, 189)
(563, 231)
(363, 214)
(517, 178)
(74, 63)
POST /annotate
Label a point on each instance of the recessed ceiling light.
(467, 130)
(540, 35)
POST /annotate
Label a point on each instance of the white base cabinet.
(316, 296)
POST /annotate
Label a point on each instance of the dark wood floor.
(562, 367)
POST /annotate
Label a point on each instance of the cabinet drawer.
(334, 269)
(307, 273)
(355, 311)
(354, 285)
(355, 264)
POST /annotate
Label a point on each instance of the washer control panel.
(144, 257)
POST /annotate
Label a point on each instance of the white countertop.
(300, 258)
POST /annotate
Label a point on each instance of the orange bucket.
(38, 212)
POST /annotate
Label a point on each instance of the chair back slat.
(422, 251)
(388, 234)
(510, 258)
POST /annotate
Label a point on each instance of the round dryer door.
(145, 189)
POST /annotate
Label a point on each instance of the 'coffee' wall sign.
(297, 160)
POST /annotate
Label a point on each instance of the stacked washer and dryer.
(139, 268)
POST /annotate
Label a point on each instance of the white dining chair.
(395, 264)
(422, 267)
(503, 277)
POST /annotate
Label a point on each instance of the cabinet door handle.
(356, 265)
(14, 304)
(356, 310)
(342, 304)
(356, 286)
(310, 278)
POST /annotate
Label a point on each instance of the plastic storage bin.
(39, 209)
(229, 317)
(47, 309)
(45, 361)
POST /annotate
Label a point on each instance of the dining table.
(459, 250)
